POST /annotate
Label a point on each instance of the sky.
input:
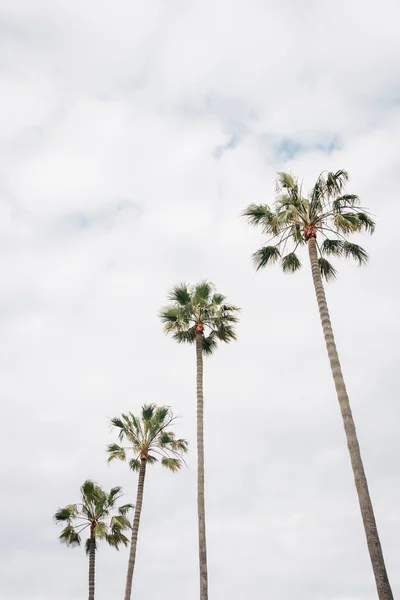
(132, 136)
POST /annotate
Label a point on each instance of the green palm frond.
(125, 508)
(218, 299)
(69, 536)
(185, 337)
(287, 181)
(265, 256)
(327, 270)
(345, 201)
(332, 247)
(147, 413)
(209, 344)
(134, 464)
(116, 539)
(173, 464)
(100, 530)
(66, 514)
(180, 294)
(347, 222)
(114, 495)
(261, 214)
(203, 292)
(181, 446)
(335, 182)
(367, 223)
(115, 452)
(354, 251)
(290, 263)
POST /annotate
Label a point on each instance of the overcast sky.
(132, 135)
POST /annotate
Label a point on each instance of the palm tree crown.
(199, 308)
(95, 512)
(327, 211)
(147, 436)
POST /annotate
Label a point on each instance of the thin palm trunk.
(367, 512)
(135, 528)
(92, 565)
(200, 470)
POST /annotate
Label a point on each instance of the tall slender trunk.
(367, 512)
(200, 469)
(92, 563)
(135, 528)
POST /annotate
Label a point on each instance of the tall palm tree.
(94, 513)
(146, 436)
(201, 316)
(324, 221)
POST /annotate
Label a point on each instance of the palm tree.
(94, 512)
(329, 214)
(201, 316)
(147, 436)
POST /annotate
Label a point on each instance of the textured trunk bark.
(367, 512)
(200, 471)
(92, 565)
(135, 529)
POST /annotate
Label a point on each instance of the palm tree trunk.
(200, 470)
(92, 560)
(367, 512)
(135, 528)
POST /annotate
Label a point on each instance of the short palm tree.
(147, 436)
(94, 513)
(323, 221)
(201, 316)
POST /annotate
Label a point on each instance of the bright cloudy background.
(132, 135)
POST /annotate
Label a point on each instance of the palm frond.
(173, 464)
(134, 464)
(115, 452)
(125, 508)
(346, 222)
(327, 270)
(180, 294)
(265, 256)
(69, 536)
(334, 247)
(335, 182)
(148, 412)
(290, 263)
(347, 200)
(66, 514)
(354, 251)
(367, 223)
(287, 181)
(209, 344)
(203, 292)
(185, 337)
